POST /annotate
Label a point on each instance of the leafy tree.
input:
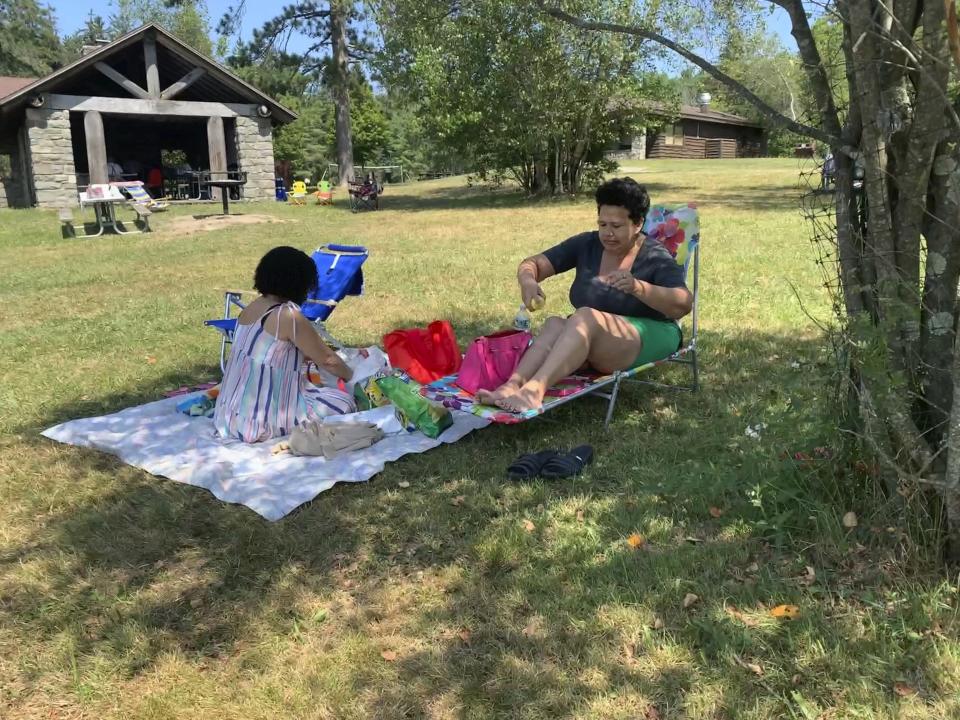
(895, 135)
(29, 45)
(188, 20)
(93, 30)
(519, 94)
(759, 61)
(309, 142)
(370, 126)
(336, 43)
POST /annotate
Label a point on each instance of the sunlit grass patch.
(124, 595)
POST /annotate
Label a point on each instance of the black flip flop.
(568, 464)
(528, 465)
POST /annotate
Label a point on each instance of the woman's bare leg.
(530, 362)
(607, 341)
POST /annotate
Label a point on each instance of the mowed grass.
(462, 595)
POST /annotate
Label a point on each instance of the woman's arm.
(672, 302)
(531, 272)
(305, 337)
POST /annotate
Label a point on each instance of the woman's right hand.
(532, 295)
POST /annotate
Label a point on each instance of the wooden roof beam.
(129, 85)
(150, 63)
(182, 84)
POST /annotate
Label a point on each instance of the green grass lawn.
(123, 595)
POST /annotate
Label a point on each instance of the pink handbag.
(491, 359)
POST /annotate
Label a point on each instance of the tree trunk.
(341, 90)
(902, 128)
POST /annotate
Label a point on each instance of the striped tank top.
(265, 392)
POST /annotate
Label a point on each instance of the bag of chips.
(412, 408)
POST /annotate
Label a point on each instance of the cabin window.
(673, 134)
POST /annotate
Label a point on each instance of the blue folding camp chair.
(339, 273)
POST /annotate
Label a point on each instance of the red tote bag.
(425, 354)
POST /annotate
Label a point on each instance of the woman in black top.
(628, 290)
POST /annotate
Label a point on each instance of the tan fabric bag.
(315, 438)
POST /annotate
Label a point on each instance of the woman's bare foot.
(528, 397)
(494, 397)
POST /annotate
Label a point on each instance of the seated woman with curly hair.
(265, 391)
(628, 292)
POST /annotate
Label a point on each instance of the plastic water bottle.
(522, 319)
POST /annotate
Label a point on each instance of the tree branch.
(831, 139)
(812, 63)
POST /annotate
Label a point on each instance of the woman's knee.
(586, 318)
(553, 325)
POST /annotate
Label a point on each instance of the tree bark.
(938, 319)
(341, 89)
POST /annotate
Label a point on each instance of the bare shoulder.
(252, 312)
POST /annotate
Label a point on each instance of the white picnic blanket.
(158, 439)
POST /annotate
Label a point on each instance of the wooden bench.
(143, 214)
(66, 222)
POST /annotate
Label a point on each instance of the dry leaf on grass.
(532, 628)
(752, 667)
(630, 652)
(690, 599)
(150, 360)
(715, 511)
(785, 612)
(636, 541)
(747, 620)
(464, 635)
(388, 655)
(809, 577)
(458, 500)
(529, 526)
(651, 713)
(850, 520)
(658, 623)
(904, 690)
(753, 568)
(403, 483)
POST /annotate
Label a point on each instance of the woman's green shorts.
(659, 338)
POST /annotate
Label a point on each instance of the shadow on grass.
(560, 617)
(758, 197)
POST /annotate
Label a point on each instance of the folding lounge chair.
(138, 194)
(678, 229)
(339, 273)
(298, 193)
(324, 193)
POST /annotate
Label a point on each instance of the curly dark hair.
(286, 272)
(626, 193)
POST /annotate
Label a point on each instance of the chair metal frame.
(686, 355)
(232, 299)
(364, 201)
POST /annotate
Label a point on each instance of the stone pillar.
(638, 148)
(50, 157)
(255, 156)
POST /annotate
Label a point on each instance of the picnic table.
(225, 181)
(105, 199)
